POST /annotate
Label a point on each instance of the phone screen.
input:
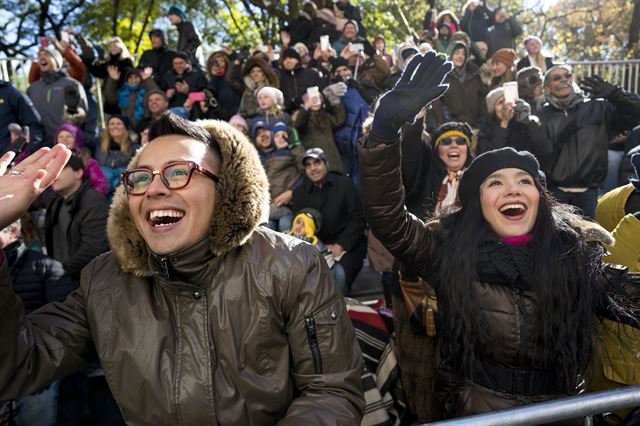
(510, 92)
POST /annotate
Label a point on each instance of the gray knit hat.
(492, 99)
(54, 53)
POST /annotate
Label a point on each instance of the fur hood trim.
(241, 198)
(592, 231)
(269, 73)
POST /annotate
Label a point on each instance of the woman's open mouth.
(513, 211)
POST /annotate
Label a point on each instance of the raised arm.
(405, 236)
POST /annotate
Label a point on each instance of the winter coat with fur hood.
(246, 327)
(249, 104)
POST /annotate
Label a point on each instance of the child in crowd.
(240, 123)
(71, 137)
(271, 104)
(284, 169)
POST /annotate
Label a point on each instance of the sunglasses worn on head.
(174, 175)
(559, 77)
(449, 141)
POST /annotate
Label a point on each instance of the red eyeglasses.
(174, 175)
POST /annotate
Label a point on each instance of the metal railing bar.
(557, 410)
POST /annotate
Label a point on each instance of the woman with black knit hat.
(519, 278)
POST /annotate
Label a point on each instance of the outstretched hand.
(419, 85)
(22, 185)
(597, 87)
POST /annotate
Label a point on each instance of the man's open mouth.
(159, 218)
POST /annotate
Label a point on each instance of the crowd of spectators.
(304, 103)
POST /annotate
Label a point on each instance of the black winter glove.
(419, 85)
(598, 87)
(368, 48)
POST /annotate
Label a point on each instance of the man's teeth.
(154, 214)
(512, 206)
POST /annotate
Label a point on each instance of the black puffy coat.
(295, 83)
(36, 278)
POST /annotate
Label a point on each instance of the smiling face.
(498, 68)
(116, 128)
(157, 103)
(510, 200)
(458, 57)
(171, 220)
(316, 170)
(533, 47)
(263, 138)
(289, 63)
(281, 139)
(453, 156)
(257, 75)
(180, 65)
(560, 83)
(67, 139)
(114, 49)
(349, 31)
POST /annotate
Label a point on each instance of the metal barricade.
(557, 410)
(622, 73)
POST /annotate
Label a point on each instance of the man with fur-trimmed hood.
(198, 315)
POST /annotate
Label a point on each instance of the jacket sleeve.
(93, 231)
(516, 28)
(50, 343)
(326, 361)
(339, 117)
(404, 235)
(625, 250)
(111, 91)
(77, 69)
(623, 111)
(354, 232)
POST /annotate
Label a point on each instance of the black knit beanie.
(487, 163)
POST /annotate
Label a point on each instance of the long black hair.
(565, 288)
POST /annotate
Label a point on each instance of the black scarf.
(499, 263)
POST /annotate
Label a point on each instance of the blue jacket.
(17, 107)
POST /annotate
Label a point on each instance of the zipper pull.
(165, 267)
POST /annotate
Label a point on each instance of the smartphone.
(197, 96)
(324, 42)
(64, 36)
(44, 42)
(357, 47)
(510, 92)
(179, 80)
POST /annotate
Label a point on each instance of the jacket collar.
(190, 267)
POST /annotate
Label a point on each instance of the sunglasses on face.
(174, 175)
(559, 77)
(449, 141)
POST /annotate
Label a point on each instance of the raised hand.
(597, 87)
(22, 185)
(419, 85)
(114, 72)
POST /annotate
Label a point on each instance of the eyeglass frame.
(193, 167)
(449, 141)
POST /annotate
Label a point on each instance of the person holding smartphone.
(182, 79)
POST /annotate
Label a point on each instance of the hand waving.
(27, 180)
(419, 85)
(597, 87)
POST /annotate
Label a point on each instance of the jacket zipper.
(519, 312)
(165, 267)
(312, 336)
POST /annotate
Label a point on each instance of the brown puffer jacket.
(512, 337)
(246, 327)
(249, 104)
